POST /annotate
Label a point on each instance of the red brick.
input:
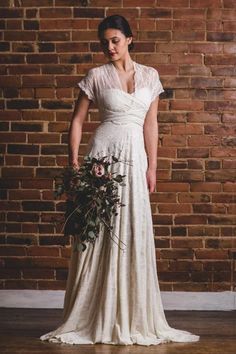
(13, 137)
(171, 118)
(174, 140)
(190, 219)
(189, 36)
(152, 58)
(187, 176)
(49, 262)
(193, 198)
(230, 82)
(213, 26)
(24, 194)
(205, 187)
(223, 198)
(221, 129)
(38, 273)
(155, 35)
(186, 129)
(202, 82)
(30, 161)
(21, 284)
(177, 254)
(6, 250)
(43, 251)
(10, 273)
(46, 81)
(220, 59)
(90, 12)
(53, 24)
(20, 35)
(229, 187)
(221, 36)
(203, 140)
(172, 187)
(30, 3)
(229, 48)
(228, 231)
(156, 13)
(229, 3)
(183, 25)
(22, 217)
(203, 231)
(193, 152)
(52, 284)
(42, 58)
(206, 48)
(37, 183)
(174, 208)
(162, 219)
(211, 254)
(57, 12)
(161, 231)
(221, 176)
(11, 12)
(189, 13)
(17, 171)
(223, 152)
(203, 117)
(221, 220)
(205, 3)
(10, 81)
(187, 105)
(209, 209)
(194, 70)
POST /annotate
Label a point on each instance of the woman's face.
(115, 44)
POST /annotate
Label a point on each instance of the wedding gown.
(112, 293)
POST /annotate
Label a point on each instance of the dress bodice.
(102, 85)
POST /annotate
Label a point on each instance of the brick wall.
(44, 53)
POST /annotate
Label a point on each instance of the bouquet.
(91, 199)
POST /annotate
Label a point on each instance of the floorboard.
(20, 330)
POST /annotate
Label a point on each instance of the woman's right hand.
(75, 165)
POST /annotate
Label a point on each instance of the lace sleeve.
(87, 85)
(157, 87)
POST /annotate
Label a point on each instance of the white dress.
(112, 293)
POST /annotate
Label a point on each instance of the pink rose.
(98, 170)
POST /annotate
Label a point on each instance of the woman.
(113, 296)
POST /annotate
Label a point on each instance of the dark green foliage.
(92, 198)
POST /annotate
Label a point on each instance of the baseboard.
(172, 300)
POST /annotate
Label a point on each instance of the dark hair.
(116, 22)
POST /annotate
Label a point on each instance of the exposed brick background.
(44, 52)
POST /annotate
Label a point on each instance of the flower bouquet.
(91, 199)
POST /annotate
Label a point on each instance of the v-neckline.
(118, 78)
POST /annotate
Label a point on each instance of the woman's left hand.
(151, 179)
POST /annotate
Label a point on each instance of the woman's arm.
(75, 131)
(151, 143)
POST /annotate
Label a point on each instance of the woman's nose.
(110, 45)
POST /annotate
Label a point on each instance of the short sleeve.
(87, 85)
(156, 85)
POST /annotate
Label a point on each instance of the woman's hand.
(75, 165)
(151, 179)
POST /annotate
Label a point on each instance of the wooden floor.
(20, 330)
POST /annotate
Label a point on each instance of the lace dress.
(112, 293)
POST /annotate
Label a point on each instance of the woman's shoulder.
(97, 70)
(148, 70)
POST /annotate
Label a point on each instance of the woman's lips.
(111, 54)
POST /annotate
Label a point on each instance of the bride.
(113, 296)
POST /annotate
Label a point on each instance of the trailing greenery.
(91, 199)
